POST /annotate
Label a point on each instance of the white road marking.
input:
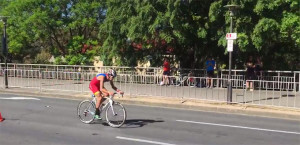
(243, 127)
(142, 140)
(20, 98)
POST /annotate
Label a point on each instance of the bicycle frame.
(109, 102)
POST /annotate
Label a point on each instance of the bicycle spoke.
(86, 111)
(115, 115)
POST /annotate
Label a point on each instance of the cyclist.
(97, 87)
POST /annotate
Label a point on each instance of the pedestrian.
(250, 74)
(258, 68)
(166, 72)
(210, 68)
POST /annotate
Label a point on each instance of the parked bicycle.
(188, 78)
(115, 112)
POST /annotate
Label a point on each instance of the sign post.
(229, 45)
(230, 38)
(232, 9)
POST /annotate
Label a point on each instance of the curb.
(175, 103)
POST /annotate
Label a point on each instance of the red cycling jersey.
(95, 83)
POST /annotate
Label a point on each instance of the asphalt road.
(52, 121)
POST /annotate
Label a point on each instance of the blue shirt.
(210, 64)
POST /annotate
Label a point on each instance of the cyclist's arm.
(115, 88)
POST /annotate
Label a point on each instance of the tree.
(35, 25)
(157, 26)
(141, 30)
(265, 29)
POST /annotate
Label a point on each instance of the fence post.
(294, 88)
(82, 80)
(299, 82)
(40, 80)
(221, 78)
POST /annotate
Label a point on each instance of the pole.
(5, 52)
(5, 55)
(229, 95)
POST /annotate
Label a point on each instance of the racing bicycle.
(115, 113)
(188, 78)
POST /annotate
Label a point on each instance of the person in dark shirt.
(250, 74)
(258, 68)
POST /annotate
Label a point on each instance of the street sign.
(230, 36)
(229, 45)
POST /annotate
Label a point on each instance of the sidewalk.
(192, 104)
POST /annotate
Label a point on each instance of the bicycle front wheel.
(115, 115)
(86, 111)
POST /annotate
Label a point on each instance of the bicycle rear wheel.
(86, 111)
(191, 82)
(115, 115)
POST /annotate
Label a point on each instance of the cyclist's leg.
(99, 100)
(97, 93)
(102, 99)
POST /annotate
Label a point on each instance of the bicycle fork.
(111, 102)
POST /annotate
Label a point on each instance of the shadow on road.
(269, 98)
(132, 123)
(135, 123)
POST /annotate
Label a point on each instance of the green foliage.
(59, 61)
(243, 41)
(265, 33)
(290, 28)
(43, 57)
(80, 50)
(141, 30)
(35, 25)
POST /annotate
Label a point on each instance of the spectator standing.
(210, 67)
(166, 72)
(258, 68)
(250, 74)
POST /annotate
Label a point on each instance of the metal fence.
(280, 93)
(267, 75)
(23, 78)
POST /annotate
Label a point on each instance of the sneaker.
(98, 117)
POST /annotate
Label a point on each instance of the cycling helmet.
(112, 73)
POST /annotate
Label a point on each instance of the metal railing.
(273, 93)
(286, 76)
(275, 88)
